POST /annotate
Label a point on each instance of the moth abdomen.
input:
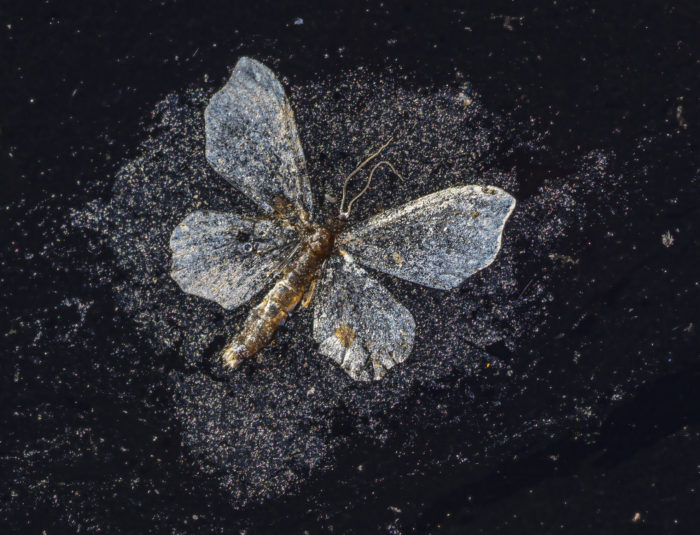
(264, 319)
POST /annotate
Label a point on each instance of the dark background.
(78, 79)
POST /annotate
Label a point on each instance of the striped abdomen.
(265, 319)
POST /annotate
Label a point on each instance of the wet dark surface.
(556, 390)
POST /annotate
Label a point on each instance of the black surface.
(91, 444)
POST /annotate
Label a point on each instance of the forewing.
(358, 323)
(225, 257)
(438, 240)
(252, 140)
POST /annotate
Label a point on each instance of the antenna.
(345, 214)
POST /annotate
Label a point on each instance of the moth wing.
(438, 240)
(252, 140)
(225, 257)
(358, 323)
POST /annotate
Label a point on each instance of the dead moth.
(438, 240)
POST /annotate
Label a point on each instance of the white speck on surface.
(464, 100)
(667, 238)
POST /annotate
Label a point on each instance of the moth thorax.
(337, 224)
(320, 240)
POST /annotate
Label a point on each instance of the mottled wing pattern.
(438, 240)
(252, 140)
(358, 323)
(225, 257)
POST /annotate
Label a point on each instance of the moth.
(437, 240)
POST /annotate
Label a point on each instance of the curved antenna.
(346, 214)
(364, 162)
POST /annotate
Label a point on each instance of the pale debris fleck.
(464, 100)
(667, 238)
(679, 117)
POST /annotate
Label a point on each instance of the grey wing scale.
(225, 257)
(252, 140)
(358, 323)
(438, 240)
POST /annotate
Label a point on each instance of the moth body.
(264, 319)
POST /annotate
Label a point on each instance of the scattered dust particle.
(667, 238)
(475, 214)
(397, 258)
(564, 259)
(345, 334)
(464, 100)
(679, 117)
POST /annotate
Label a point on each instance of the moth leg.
(308, 295)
